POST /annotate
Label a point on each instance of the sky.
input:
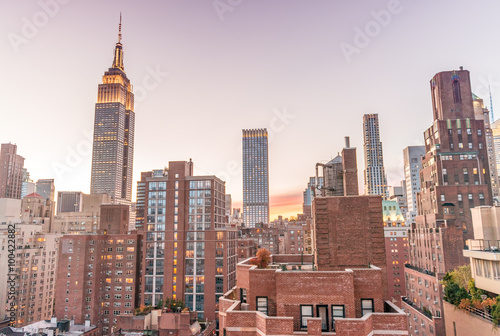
(204, 70)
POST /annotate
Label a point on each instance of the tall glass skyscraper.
(113, 147)
(255, 177)
(375, 179)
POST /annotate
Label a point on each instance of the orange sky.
(285, 205)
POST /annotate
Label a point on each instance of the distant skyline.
(203, 71)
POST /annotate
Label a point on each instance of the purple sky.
(246, 65)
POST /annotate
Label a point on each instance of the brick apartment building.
(189, 253)
(396, 249)
(454, 178)
(338, 290)
(97, 276)
(263, 236)
(34, 272)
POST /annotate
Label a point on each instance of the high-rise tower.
(113, 148)
(255, 177)
(375, 179)
(454, 178)
(11, 172)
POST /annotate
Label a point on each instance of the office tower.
(69, 201)
(87, 215)
(255, 177)
(189, 253)
(455, 178)
(33, 291)
(375, 179)
(113, 146)
(482, 113)
(11, 172)
(46, 189)
(27, 186)
(98, 276)
(396, 249)
(412, 156)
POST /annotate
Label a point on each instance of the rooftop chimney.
(347, 142)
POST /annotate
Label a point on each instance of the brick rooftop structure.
(292, 298)
(339, 290)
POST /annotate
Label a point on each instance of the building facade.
(97, 278)
(69, 201)
(483, 113)
(34, 272)
(454, 179)
(255, 177)
(375, 178)
(412, 157)
(189, 253)
(396, 249)
(11, 172)
(114, 124)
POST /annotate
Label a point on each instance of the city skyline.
(272, 91)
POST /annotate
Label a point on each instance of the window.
(366, 306)
(262, 304)
(337, 312)
(306, 311)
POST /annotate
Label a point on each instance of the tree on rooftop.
(261, 259)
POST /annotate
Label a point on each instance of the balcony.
(483, 245)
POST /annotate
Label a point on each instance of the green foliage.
(495, 311)
(474, 291)
(172, 305)
(454, 294)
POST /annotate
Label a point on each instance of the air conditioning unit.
(423, 325)
(244, 306)
(435, 302)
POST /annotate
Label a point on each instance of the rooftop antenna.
(491, 106)
(120, 29)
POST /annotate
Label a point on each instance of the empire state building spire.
(114, 123)
(118, 61)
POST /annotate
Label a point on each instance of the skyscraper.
(255, 177)
(375, 179)
(454, 178)
(412, 157)
(113, 147)
(11, 172)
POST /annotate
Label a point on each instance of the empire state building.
(113, 146)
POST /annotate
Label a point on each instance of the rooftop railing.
(483, 245)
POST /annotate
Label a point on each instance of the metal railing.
(483, 245)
